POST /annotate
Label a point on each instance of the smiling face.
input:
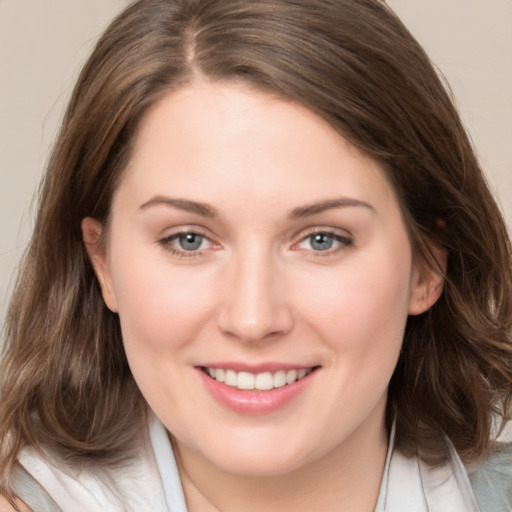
(263, 275)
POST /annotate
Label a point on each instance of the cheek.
(161, 307)
(362, 311)
(361, 319)
(161, 312)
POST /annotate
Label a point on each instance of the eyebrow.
(329, 204)
(206, 210)
(202, 209)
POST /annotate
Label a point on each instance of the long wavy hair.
(65, 381)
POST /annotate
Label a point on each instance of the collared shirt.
(151, 481)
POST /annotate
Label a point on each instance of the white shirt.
(150, 482)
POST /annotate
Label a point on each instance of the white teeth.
(264, 381)
(230, 378)
(279, 379)
(291, 376)
(245, 381)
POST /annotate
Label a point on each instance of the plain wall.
(44, 42)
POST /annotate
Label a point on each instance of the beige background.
(44, 42)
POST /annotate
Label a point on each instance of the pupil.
(190, 241)
(321, 242)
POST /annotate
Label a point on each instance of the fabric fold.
(151, 481)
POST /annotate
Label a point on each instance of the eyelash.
(168, 244)
(344, 241)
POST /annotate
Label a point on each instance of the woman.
(266, 274)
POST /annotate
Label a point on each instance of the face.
(263, 276)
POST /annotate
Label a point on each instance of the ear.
(95, 247)
(428, 280)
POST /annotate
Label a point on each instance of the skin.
(260, 290)
(5, 506)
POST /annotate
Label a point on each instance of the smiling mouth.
(265, 381)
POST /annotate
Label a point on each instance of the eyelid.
(328, 230)
(344, 240)
(167, 241)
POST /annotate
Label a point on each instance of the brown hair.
(65, 381)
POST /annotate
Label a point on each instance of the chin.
(258, 457)
(258, 465)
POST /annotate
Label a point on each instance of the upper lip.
(256, 368)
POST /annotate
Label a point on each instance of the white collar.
(410, 485)
(151, 481)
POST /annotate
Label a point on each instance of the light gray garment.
(33, 494)
(410, 485)
(151, 482)
(134, 487)
(492, 481)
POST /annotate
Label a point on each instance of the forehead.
(228, 140)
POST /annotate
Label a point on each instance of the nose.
(255, 305)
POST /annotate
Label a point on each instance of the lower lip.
(255, 402)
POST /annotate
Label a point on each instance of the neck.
(346, 478)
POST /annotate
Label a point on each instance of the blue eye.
(323, 241)
(185, 243)
(190, 241)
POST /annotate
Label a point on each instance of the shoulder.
(132, 483)
(5, 506)
(492, 480)
(31, 496)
